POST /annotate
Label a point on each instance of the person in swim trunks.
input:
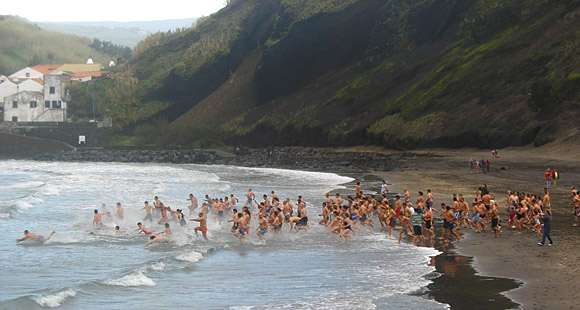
(154, 239)
(202, 225)
(97, 219)
(263, 228)
(35, 237)
(142, 229)
(241, 228)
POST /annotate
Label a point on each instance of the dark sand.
(548, 273)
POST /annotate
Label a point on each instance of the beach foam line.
(54, 300)
(134, 279)
(23, 205)
(192, 257)
(5, 215)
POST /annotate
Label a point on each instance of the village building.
(39, 93)
(47, 105)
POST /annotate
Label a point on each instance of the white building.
(49, 105)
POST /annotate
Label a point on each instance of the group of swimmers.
(344, 217)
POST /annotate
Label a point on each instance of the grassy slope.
(395, 73)
(24, 44)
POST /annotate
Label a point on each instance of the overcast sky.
(108, 10)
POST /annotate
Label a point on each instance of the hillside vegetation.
(24, 44)
(397, 73)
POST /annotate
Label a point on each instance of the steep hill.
(398, 73)
(24, 44)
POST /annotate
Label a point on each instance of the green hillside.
(397, 73)
(24, 44)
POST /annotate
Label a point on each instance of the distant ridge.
(122, 33)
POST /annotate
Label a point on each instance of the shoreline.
(547, 273)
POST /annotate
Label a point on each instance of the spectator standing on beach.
(483, 165)
(555, 177)
(384, 188)
(548, 175)
(471, 165)
(487, 165)
(547, 220)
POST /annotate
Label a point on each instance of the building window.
(15, 118)
(27, 74)
(52, 90)
(47, 104)
(56, 104)
(15, 104)
(33, 104)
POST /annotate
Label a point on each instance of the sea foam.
(54, 300)
(134, 279)
(192, 257)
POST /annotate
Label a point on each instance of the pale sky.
(108, 10)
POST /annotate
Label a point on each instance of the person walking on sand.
(548, 175)
(547, 220)
(555, 177)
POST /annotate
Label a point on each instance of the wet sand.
(548, 273)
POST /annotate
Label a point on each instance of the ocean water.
(78, 270)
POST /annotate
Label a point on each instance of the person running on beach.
(416, 220)
(546, 200)
(494, 214)
(154, 239)
(203, 225)
(35, 237)
(97, 221)
(407, 197)
(429, 223)
(521, 212)
(142, 229)
(576, 207)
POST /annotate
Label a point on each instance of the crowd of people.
(346, 217)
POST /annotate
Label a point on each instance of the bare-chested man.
(250, 196)
(35, 237)
(148, 209)
(97, 219)
(263, 227)
(240, 233)
(154, 239)
(202, 225)
(193, 204)
(120, 212)
(407, 197)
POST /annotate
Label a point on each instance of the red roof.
(45, 69)
(41, 82)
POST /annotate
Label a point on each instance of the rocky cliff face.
(396, 73)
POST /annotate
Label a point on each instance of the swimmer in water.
(35, 237)
(166, 231)
(97, 219)
(202, 225)
(155, 239)
(118, 230)
(142, 229)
